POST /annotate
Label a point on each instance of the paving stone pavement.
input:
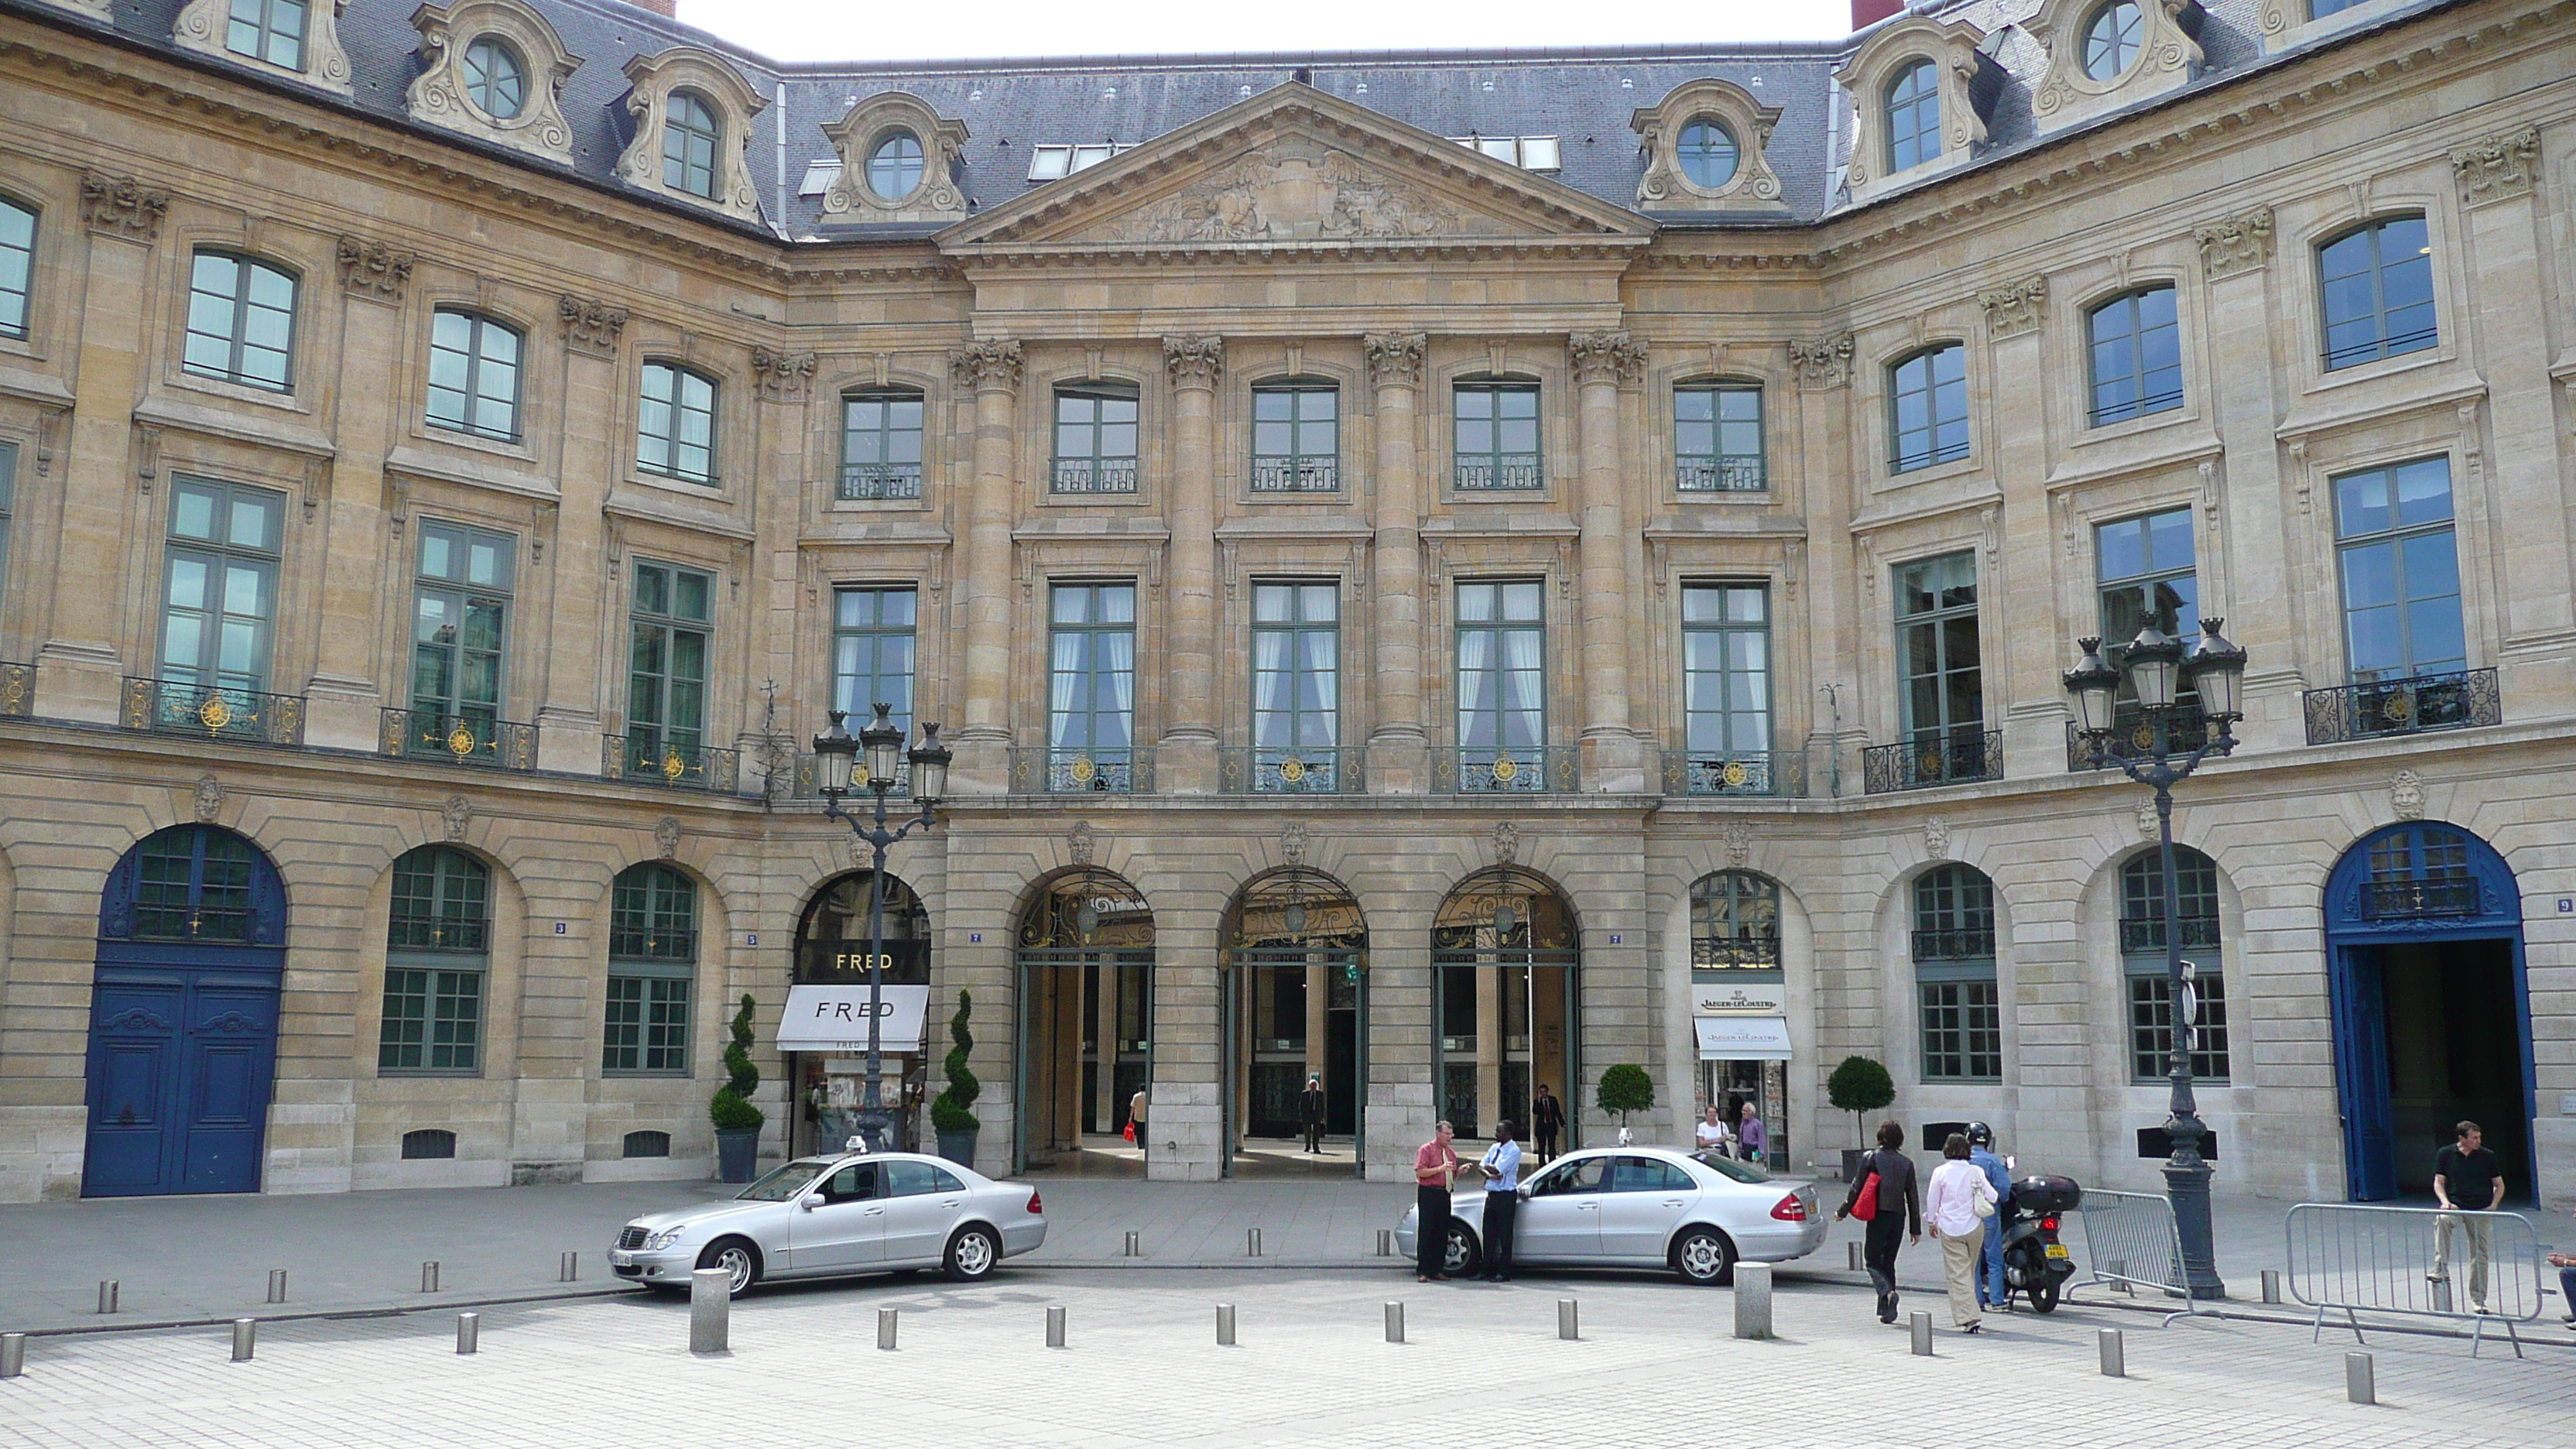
(1656, 1365)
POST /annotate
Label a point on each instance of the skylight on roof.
(1530, 153)
(1049, 163)
(819, 176)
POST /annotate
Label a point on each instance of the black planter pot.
(737, 1153)
(1851, 1163)
(958, 1147)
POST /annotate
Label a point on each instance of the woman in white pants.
(1956, 1207)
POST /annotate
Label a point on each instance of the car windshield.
(1728, 1166)
(784, 1182)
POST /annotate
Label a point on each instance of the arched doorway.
(1296, 1006)
(183, 1016)
(1739, 1001)
(2432, 1008)
(1086, 1012)
(1505, 952)
(823, 1031)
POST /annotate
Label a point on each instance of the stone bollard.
(429, 1277)
(469, 1333)
(245, 1339)
(1753, 1300)
(1395, 1323)
(1055, 1327)
(1131, 1250)
(1856, 1264)
(710, 1310)
(277, 1285)
(887, 1319)
(108, 1289)
(1252, 1242)
(1920, 1323)
(1386, 1242)
(2117, 1269)
(1568, 1321)
(1225, 1325)
(569, 1270)
(2115, 1354)
(2271, 1285)
(13, 1355)
(2360, 1381)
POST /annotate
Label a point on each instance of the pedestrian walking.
(1885, 1183)
(1435, 1169)
(1502, 1168)
(1310, 1110)
(1958, 1203)
(2565, 1263)
(2466, 1179)
(1992, 1291)
(1752, 1139)
(1136, 1121)
(1711, 1133)
(1547, 1118)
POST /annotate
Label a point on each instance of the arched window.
(495, 80)
(1913, 117)
(689, 134)
(652, 964)
(473, 375)
(1735, 920)
(1095, 438)
(1495, 435)
(2136, 356)
(17, 266)
(1505, 954)
(269, 30)
(437, 945)
(2144, 967)
(1717, 437)
(894, 166)
(1707, 153)
(1296, 437)
(2376, 285)
(880, 446)
(2418, 873)
(2111, 40)
(1954, 972)
(1927, 402)
(194, 883)
(241, 321)
(675, 424)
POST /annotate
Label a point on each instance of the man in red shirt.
(1435, 1168)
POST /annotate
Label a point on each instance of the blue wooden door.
(180, 1066)
(2361, 1074)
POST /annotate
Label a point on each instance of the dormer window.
(1707, 154)
(693, 115)
(2107, 54)
(899, 161)
(493, 70)
(1913, 117)
(689, 136)
(269, 30)
(297, 38)
(1921, 90)
(495, 80)
(1705, 144)
(2111, 40)
(894, 167)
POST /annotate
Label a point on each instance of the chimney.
(1866, 13)
(670, 9)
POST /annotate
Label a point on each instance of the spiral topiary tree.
(949, 1110)
(730, 1109)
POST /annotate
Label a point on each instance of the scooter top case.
(2046, 1194)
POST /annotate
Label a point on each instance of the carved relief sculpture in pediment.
(899, 161)
(699, 157)
(1885, 60)
(1297, 189)
(307, 47)
(493, 69)
(2105, 54)
(1708, 149)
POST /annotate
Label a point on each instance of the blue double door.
(182, 1055)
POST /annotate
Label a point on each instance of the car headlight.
(663, 1239)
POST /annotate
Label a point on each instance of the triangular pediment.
(1295, 166)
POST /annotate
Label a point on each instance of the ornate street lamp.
(2156, 667)
(836, 757)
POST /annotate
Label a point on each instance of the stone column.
(1319, 996)
(1399, 761)
(1613, 755)
(1490, 982)
(1186, 758)
(992, 369)
(585, 563)
(343, 700)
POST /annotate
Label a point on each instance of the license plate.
(2057, 1250)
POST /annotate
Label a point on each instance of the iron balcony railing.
(1487, 770)
(2133, 736)
(1044, 770)
(17, 690)
(1481, 475)
(439, 933)
(1964, 943)
(643, 943)
(2461, 699)
(877, 482)
(220, 712)
(1280, 770)
(646, 758)
(1296, 475)
(428, 734)
(1095, 475)
(806, 784)
(2402, 900)
(1718, 474)
(1933, 760)
(2142, 935)
(1720, 772)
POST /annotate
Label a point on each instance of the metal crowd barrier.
(2130, 1241)
(2417, 1262)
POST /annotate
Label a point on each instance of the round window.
(894, 167)
(494, 80)
(2111, 40)
(1707, 154)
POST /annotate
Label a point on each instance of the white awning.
(1742, 1038)
(835, 1019)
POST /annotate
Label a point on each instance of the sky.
(839, 30)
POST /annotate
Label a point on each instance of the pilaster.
(342, 700)
(583, 576)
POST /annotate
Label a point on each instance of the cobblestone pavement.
(1656, 1365)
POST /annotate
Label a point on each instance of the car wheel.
(1704, 1256)
(1464, 1258)
(739, 1259)
(972, 1254)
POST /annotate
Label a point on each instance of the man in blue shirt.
(1502, 1168)
(1991, 1289)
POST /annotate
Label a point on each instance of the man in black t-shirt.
(2465, 1179)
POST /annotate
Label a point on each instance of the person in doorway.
(2466, 1180)
(1310, 1110)
(1502, 1169)
(1958, 1203)
(1547, 1119)
(1435, 1170)
(1886, 1180)
(1752, 1139)
(1711, 1134)
(1136, 1119)
(1992, 1292)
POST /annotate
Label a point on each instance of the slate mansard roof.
(1584, 97)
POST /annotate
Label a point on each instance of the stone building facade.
(1443, 572)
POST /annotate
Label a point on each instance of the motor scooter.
(2035, 1262)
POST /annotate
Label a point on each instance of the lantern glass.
(2154, 664)
(883, 741)
(2217, 671)
(929, 767)
(834, 751)
(2094, 685)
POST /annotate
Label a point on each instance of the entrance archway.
(1739, 1002)
(1295, 996)
(829, 976)
(183, 1016)
(1086, 1012)
(2432, 1008)
(1505, 954)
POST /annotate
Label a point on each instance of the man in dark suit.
(1310, 1110)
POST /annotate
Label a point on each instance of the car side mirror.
(1521, 1192)
(810, 1201)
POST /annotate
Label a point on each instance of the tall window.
(1735, 920)
(2143, 965)
(2401, 572)
(2111, 40)
(894, 166)
(473, 375)
(1938, 649)
(495, 81)
(269, 30)
(689, 135)
(1726, 674)
(2145, 572)
(17, 266)
(1497, 435)
(1095, 438)
(2376, 284)
(1296, 683)
(652, 961)
(241, 321)
(666, 669)
(1091, 702)
(1913, 117)
(1927, 399)
(1296, 438)
(220, 596)
(1502, 678)
(437, 946)
(1717, 438)
(880, 446)
(872, 655)
(460, 632)
(675, 424)
(1954, 972)
(2136, 354)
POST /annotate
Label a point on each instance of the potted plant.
(949, 1117)
(737, 1121)
(1859, 1086)
(1626, 1088)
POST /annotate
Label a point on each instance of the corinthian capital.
(1605, 358)
(1395, 358)
(990, 366)
(1194, 361)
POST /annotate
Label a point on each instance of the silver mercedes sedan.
(820, 1217)
(1697, 1214)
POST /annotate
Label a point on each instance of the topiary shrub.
(1626, 1088)
(948, 1110)
(730, 1109)
(1860, 1086)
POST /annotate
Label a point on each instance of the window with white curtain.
(1091, 706)
(1502, 670)
(1296, 667)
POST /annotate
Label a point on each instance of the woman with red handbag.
(1886, 1179)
